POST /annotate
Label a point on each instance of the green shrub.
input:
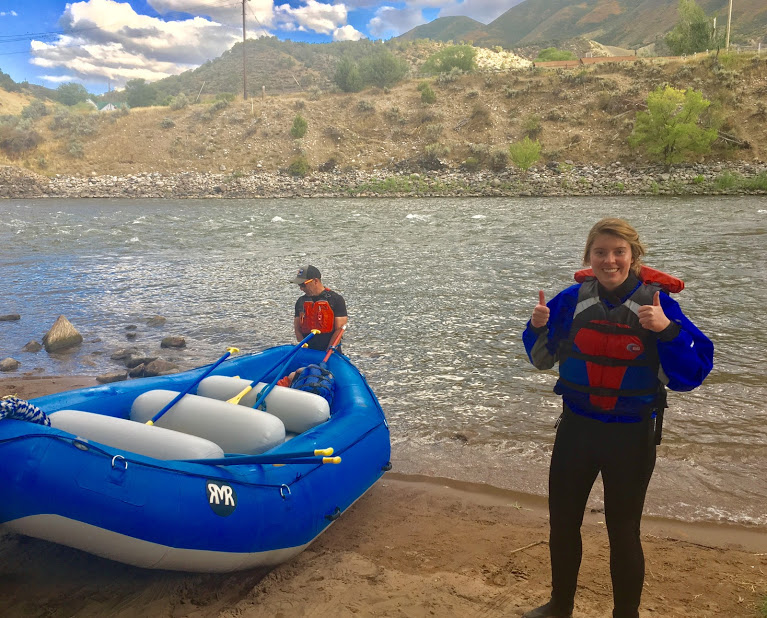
(382, 69)
(180, 101)
(15, 141)
(497, 160)
(75, 149)
(471, 164)
(669, 130)
(524, 154)
(432, 132)
(300, 126)
(461, 57)
(365, 106)
(427, 94)
(727, 180)
(552, 54)
(225, 96)
(167, 123)
(36, 109)
(347, 76)
(531, 125)
(757, 183)
(699, 179)
(299, 167)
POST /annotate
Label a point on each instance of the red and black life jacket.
(609, 363)
(317, 315)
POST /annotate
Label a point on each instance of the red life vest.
(668, 283)
(317, 315)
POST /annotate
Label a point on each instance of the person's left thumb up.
(656, 299)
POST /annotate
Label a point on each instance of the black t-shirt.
(337, 304)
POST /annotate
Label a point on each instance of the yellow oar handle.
(233, 350)
(324, 451)
(236, 399)
(334, 460)
(314, 332)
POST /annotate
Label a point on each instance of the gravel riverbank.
(554, 179)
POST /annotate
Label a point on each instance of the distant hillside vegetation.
(447, 29)
(621, 23)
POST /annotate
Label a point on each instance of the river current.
(438, 292)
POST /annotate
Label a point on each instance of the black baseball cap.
(306, 273)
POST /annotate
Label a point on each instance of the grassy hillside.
(583, 116)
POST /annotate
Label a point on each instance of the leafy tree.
(300, 125)
(71, 94)
(552, 54)
(138, 93)
(669, 130)
(694, 32)
(382, 69)
(525, 154)
(460, 57)
(347, 76)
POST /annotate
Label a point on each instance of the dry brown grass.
(585, 116)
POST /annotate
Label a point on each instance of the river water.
(438, 292)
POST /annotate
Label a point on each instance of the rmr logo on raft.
(222, 498)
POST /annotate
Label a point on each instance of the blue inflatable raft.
(95, 488)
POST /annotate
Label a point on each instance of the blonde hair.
(621, 229)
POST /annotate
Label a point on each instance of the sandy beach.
(411, 546)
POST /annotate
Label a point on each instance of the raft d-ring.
(283, 489)
(116, 457)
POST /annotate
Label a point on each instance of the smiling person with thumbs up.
(620, 340)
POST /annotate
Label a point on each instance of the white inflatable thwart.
(298, 410)
(234, 428)
(135, 437)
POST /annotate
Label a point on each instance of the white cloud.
(229, 13)
(347, 33)
(59, 79)
(393, 22)
(109, 40)
(316, 16)
(8, 14)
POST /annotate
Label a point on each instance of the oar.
(177, 398)
(284, 359)
(333, 345)
(304, 457)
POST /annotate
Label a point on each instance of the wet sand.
(412, 546)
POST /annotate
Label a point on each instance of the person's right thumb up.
(541, 312)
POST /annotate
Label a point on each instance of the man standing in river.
(319, 308)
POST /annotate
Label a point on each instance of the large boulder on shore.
(62, 336)
(9, 364)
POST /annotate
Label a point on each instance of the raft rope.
(14, 408)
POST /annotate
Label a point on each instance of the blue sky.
(104, 43)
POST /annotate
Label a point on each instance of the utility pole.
(729, 19)
(244, 71)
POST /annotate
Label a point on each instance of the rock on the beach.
(134, 361)
(10, 317)
(9, 364)
(61, 336)
(160, 367)
(173, 342)
(157, 320)
(106, 378)
(32, 346)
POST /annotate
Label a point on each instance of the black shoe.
(550, 610)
